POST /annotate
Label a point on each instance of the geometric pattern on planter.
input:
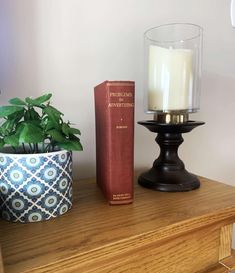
(35, 187)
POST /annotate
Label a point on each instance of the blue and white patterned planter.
(35, 187)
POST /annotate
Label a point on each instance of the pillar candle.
(170, 78)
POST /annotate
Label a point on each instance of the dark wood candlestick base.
(168, 172)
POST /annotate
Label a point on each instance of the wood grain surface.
(93, 234)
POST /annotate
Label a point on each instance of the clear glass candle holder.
(173, 68)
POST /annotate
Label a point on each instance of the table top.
(93, 225)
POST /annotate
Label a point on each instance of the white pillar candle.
(170, 78)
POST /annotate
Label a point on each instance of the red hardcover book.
(114, 115)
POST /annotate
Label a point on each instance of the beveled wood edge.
(229, 262)
(215, 269)
(225, 249)
(220, 219)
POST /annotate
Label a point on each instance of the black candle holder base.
(169, 181)
(168, 172)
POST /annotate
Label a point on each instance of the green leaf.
(16, 101)
(31, 114)
(12, 140)
(56, 135)
(71, 145)
(2, 133)
(9, 125)
(19, 128)
(30, 133)
(56, 111)
(29, 100)
(52, 111)
(43, 98)
(53, 116)
(74, 131)
(73, 137)
(34, 114)
(17, 116)
(48, 125)
(65, 129)
(38, 101)
(9, 110)
(2, 143)
(37, 123)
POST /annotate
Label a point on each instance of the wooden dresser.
(159, 233)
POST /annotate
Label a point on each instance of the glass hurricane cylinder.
(173, 68)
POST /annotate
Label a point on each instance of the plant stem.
(37, 150)
(31, 148)
(24, 148)
(52, 146)
(47, 149)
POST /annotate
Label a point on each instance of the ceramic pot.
(35, 187)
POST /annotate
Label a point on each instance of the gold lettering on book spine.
(121, 94)
(121, 104)
(121, 196)
(121, 127)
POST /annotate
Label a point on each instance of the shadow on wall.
(210, 150)
(19, 75)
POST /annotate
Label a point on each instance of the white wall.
(68, 46)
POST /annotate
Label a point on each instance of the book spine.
(114, 110)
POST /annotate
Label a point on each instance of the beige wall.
(69, 46)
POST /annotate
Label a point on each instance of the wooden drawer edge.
(218, 268)
(229, 262)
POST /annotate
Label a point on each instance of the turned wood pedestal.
(182, 232)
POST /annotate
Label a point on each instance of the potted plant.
(35, 160)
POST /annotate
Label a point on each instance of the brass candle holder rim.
(173, 117)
